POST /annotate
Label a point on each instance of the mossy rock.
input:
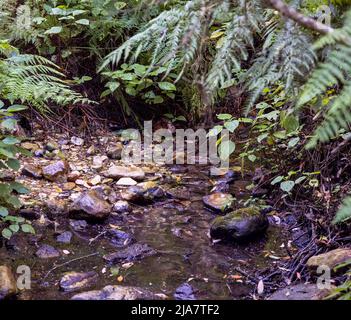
(240, 225)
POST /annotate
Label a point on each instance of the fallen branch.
(68, 262)
(299, 18)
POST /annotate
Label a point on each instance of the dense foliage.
(187, 59)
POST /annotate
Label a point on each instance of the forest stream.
(159, 242)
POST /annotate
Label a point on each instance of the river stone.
(77, 141)
(98, 161)
(115, 151)
(132, 253)
(39, 153)
(56, 172)
(121, 206)
(218, 201)
(65, 237)
(78, 225)
(126, 182)
(117, 172)
(29, 146)
(47, 252)
(32, 171)
(184, 292)
(8, 286)
(119, 293)
(75, 281)
(133, 194)
(300, 292)
(120, 238)
(51, 146)
(91, 150)
(90, 206)
(330, 259)
(95, 181)
(239, 225)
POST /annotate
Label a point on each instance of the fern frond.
(344, 213)
(37, 81)
(334, 71)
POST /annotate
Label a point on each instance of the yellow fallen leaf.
(120, 279)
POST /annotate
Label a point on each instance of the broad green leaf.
(167, 86)
(224, 116)
(16, 108)
(27, 228)
(215, 131)
(14, 201)
(10, 140)
(299, 180)
(14, 219)
(113, 86)
(287, 186)
(3, 211)
(293, 142)
(14, 228)
(54, 30)
(226, 148)
(120, 5)
(277, 180)
(9, 124)
(13, 164)
(252, 157)
(84, 22)
(6, 153)
(19, 187)
(231, 125)
(6, 233)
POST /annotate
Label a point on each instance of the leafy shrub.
(9, 151)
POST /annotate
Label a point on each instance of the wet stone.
(330, 259)
(51, 146)
(56, 172)
(220, 202)
(115, 151)
(184, 292)
(8, 286)
(90, 206)
(77, 141)
(133, 194)
(78, 225)
(126, 182)
(120, 238)
(46, 251)
(32, 171)
(119, 293)
(65, 237)
(300, 292)
(39, 153)
(132, 253)
(239, 225)
(117, 172)
(75, 281)
(121, 206)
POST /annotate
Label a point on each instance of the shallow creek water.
(178, 232)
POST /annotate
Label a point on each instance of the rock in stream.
(132, 253)
(239, 225)
(8, 285)
(75, 281)
(119, 293)
(90, 206)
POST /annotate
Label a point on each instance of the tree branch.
(298, 17)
